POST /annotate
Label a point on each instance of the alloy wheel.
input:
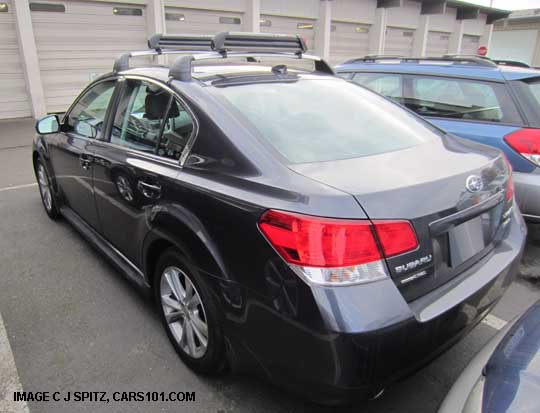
(184, 312)
(44, 187)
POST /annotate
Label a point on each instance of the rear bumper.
(372, 336)
(528, 194)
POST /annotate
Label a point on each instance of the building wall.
(342, 29)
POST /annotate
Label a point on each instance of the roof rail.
(477, 60)
(237, 44)
(514, 63)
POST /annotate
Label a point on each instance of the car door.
(136, 167)
(71, 154)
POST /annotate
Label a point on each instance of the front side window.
(87, 116)
(324, 119)
(461, 99)
(150, 119)
(389, 85)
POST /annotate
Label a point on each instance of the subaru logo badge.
(474, 183)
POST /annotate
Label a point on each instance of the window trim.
(191, 141)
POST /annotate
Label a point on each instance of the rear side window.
(325, 119)
(389, 85)
(461, 99)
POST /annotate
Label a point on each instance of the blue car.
(473, 98)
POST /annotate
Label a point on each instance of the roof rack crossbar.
(182, 66)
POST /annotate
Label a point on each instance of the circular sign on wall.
(482, 51)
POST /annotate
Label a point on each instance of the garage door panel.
(398, 41)
(13, 94)
(347, 41)
(290, 25)
(470, 44)
(437, 44)
(202, 21)
(84, 41)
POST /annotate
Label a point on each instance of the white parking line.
(11, 188)
(494, 322)
(9, 379)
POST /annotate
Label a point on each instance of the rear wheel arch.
(185, 241)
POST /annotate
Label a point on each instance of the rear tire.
(189, 313)
(46, 190)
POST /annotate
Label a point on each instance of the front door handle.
(85, 161)
(152, 191)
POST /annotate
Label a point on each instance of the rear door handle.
(152, 191)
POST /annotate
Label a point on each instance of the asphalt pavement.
(72, 323)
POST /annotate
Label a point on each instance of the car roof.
(494, 73)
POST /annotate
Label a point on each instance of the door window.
(87, 116)
(150, 119)
(389, 85)
(461, 99)
(139, 116)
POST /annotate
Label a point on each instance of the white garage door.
(437, 44)
(470, 44)
(290, 25)
(77, 41)
(347, 41)
(399, 41)
(14, 102)
(195, 21)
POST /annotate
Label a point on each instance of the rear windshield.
(324, 120)
(534, 88)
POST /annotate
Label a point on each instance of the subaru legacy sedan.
(288, 223)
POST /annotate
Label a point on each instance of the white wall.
(232, 5)
(407, 16)
(475, 26)
(296, 8)
(354, 11)
(443, 22)
(513, 45)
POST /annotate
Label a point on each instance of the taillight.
(527, 143)
(336, 251)
(396, 237)
(510, 181)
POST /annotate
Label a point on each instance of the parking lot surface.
(75, 324)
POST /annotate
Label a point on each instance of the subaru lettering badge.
(474, 183)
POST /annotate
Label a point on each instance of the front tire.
(46, 190)
(189, 313)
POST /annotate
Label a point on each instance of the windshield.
(323, 120)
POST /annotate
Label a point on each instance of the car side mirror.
(47, 125)
(86, 129)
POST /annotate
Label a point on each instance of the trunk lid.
(427, 185)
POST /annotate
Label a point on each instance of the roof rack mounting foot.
(181, 68)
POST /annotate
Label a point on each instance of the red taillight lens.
(527, 143)
(319, 242)
(325, 242)
(396, 237)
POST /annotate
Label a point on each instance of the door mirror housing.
(86, 129)
(47, 125)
